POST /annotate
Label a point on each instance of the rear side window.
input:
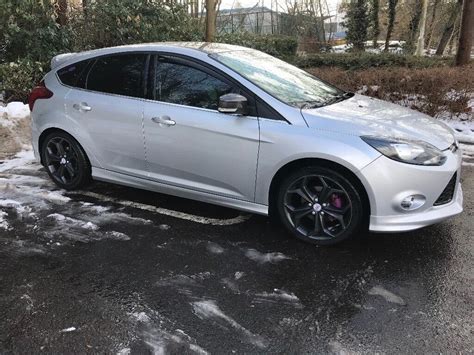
(119, 74)
(71, 74)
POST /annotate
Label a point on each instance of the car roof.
(190, 48)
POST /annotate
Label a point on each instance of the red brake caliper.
(336, 201)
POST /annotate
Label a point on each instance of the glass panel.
(184, 85)
(70, 75)
(119, 74)
(280, 79)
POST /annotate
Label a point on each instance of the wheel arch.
(304, 162)
(49, 130)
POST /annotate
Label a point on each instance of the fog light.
(413, 202)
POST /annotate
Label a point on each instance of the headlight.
(406, 151)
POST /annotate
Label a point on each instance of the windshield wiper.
(311, 104)
(329, 101)
(339, 98)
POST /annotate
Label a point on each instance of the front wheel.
(65, 161)
(320, 205)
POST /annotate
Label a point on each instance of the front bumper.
(436, 214)
(387, 182)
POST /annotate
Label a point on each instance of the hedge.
(368, 60)
(276, 45)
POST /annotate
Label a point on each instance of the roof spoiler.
(60, 59)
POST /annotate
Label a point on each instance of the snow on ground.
(12, 112)
(208, 309)
(29, 198)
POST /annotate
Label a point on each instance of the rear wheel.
(320, 205)
(65, 161)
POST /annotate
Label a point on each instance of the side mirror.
(233, 103)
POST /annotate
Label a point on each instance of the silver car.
(236, 127)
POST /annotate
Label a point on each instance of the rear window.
(71, 74)
(118, 74)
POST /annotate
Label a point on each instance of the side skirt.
(132, 181)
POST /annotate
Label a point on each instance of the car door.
(189, 143)
(107, 105)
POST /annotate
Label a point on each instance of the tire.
(65, 161)
(319, 205)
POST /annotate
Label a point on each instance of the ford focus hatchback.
(236, 127)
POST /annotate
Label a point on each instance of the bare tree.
(414, 24)
(211, 14)
(449, 27)
(61, 7)
(85, 7)
(431, 26)
(392, 8)
(467, 31)
(374, 21)
(420, 47)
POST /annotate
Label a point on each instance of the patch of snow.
(141, 317)
(215, 248)
(124, 351)
(157, 339)
(67, 330)
(11, 113)
(208, 309)
(17, 109)
(164, 227)
(18, 206)
(3, 222)
(239, 274)
(29, 302)
(262, 258)
(117, 235)
(73, 222)
(280, 294)
(22, 158)
(387, 295)
(463, 130)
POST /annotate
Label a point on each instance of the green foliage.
(357, 23)
(117, 22)
(28, 29)
(30, 35)
(369, 60)
(17, 78)
(276, 45)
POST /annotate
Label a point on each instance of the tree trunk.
(62, 12)
(448, 29)
(431, 26)
(85, 7)
(420, 47)
(375, 22)
(392, 4)
(467, 32)
(322, 21)
(414, 25)
(211, 6)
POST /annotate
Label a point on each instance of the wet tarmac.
(119, 270)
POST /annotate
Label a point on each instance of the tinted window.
(184, 85)
(71, 74)
(120, 74)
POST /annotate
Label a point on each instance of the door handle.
(83, 106)
(163, 120)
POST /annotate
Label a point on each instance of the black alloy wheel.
(65, 161)
(320, 206)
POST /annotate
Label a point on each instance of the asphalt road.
(119, 270)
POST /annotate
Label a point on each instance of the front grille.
(448, 192)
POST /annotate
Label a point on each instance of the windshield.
(284, 81)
